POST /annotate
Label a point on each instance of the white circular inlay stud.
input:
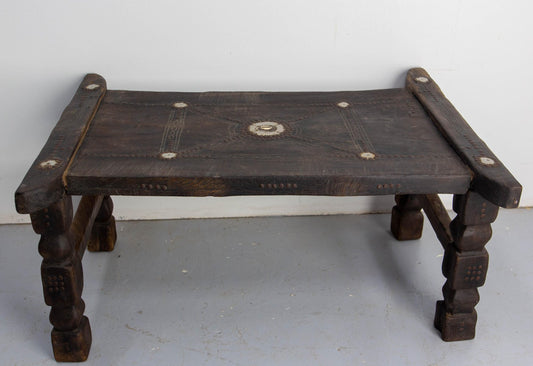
(266, 128)
(168, 155)
(422, 79)
(92, 86)
(367, 155)
(49, 164)
(343, 104)
(180, 105)
(486, 161)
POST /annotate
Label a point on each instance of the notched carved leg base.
(61, 247)
(407, 221)
(73, 345)
(455, 327)
(103, 236)
(465, 266)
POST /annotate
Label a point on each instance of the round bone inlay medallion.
(343, 104)
(92, 86)
(266, 128)
(486, 161)
(168, 155)
(180, 105)
(52, 163)
(367, 155)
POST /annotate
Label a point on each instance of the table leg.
(62, 279)
(407, 220)
(465, 266)
(104, 233)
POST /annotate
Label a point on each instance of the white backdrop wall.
(480, 52)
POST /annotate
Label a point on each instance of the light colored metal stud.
(367, 155)
(266, 128)
(486, 161)
(168, 155)
(180, 105)
(343, 104)
(92, 86)
(422, 79)
(49, 164)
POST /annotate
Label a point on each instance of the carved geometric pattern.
(358, 135)
(229, 121)
(58, 285)
(296, 128)
(474, 273)
(55, 284)
(469, 270)
(345, 134)
(172, 133)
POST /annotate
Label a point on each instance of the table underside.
(198, 144)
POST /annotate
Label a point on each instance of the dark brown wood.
(84, 222)
(62, 279)
(408, 142)
(491, 179)
(72, 345)
(43, 184)
(332, 144)
(104, 232)
(465, 266)
(407, 221)
(438, 217)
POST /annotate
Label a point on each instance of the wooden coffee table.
(408, 142)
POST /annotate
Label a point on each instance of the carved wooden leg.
(465, 266)
(62, 279)
(407, 220)
(104, 233)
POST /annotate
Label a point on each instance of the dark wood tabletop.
(336, 143)
(392, 141)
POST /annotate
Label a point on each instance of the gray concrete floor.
(322, 290)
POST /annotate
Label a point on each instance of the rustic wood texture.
(491, 179)
(438, 217)
(84, 222)
(406, 220)
(104, 232)
(465, 266)
(62, 280)
(333, 143)
(408, 142)
(43, 184)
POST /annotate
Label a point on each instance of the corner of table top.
(491, 178)
(44, 183)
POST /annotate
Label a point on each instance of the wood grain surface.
(43, 184)
(377, 142)
(409, 142)
(333, 143)
(491, 178)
